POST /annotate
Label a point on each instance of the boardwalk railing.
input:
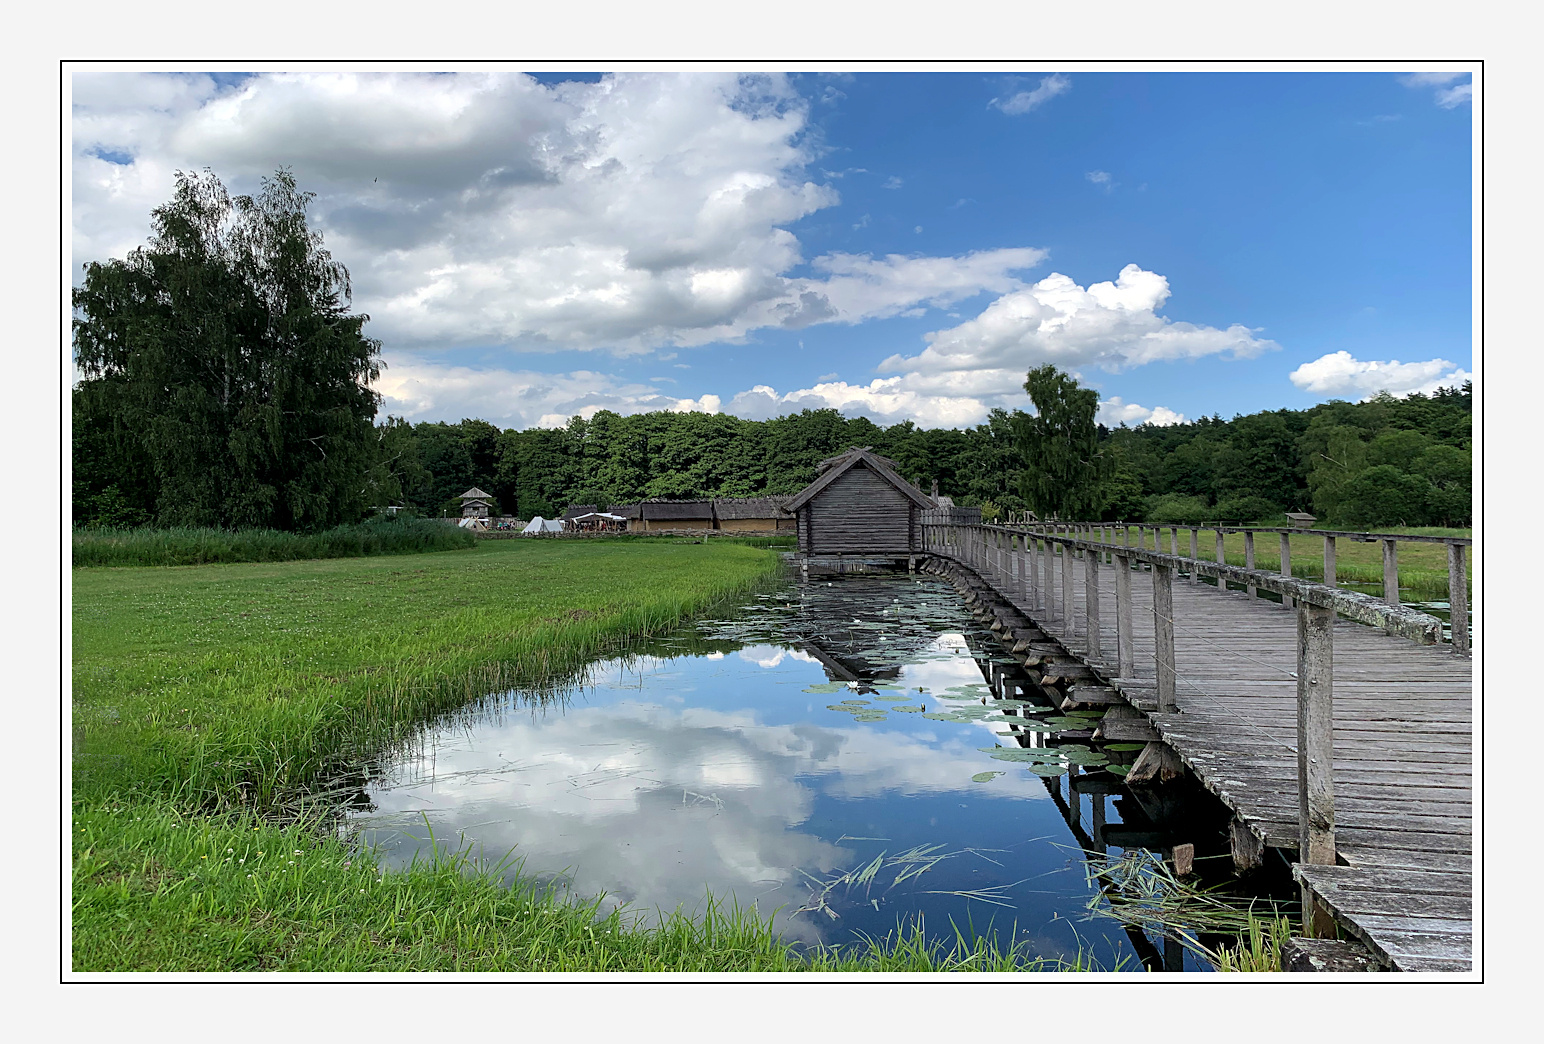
(1019, 561)
(1458, 591)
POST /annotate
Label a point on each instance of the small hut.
(476, 504)
(1301, 519)
(654, 515)
(860, 506)
(753, 514)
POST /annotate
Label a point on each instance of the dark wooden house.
(860, 506)
(476, 504)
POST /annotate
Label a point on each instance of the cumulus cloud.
(1115, 411)
(1023, 101)
(1101, 178)
(1341, 374)
(647, 210)
(419, 388)
(1447, 92)
(979, 365)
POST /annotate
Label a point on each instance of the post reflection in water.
(818, 753)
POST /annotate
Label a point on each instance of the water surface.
(723, 760)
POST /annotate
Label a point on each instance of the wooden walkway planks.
(1403, 743)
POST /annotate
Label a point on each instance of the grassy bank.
(208, 701)
(157, 890)
(179, 547)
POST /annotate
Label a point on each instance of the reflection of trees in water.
(860, 628)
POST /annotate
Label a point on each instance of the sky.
(896, 245)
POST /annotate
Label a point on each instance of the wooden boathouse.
(859, 508)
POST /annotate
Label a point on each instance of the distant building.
(653, 515)
(859, 505)
(1301, 519)
(477, 504)
(753, 514)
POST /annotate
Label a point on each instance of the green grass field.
(209, 700)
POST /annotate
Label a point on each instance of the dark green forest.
(1384, 462)
(226, 384)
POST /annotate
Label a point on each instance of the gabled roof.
(476, 493)
(852, 458)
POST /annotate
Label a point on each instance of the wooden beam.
(1458, 599)
(1163, 637)
(1315, 734)
(1124, 642)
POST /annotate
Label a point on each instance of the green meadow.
(210, 701)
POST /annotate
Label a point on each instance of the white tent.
(543, 525)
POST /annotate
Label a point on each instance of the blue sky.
(897, 245)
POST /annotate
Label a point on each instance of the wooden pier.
(1335, 726)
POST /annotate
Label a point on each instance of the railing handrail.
(1412, 624)
(1344, 534)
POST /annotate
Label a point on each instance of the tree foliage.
(222, 371)
(1062, 466)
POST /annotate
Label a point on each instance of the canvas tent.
(543, 525)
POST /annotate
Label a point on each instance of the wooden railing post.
(1286, 566)
(1163, 636)
(1329, 561)
(1222, 558)
(1048, 578)
(1091, 603)
(1174, 541)
(1315, 750)
(1066, 591)
(1125, 648)
(1249, 560)
(1195, 551)
(1390, 572)
(1458, 599)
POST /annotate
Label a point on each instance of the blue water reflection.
(706, 764)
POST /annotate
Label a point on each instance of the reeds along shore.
(177, 547)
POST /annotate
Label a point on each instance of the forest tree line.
(1388, 461)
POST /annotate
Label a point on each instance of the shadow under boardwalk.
(1402, 753)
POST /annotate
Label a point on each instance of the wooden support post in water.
(1163, 637)
(1091, 603)
(1390, 572)
(1249, 561)
(1458, 599)
(1124, 646)
(1315, 751)
(1329, 561)
(1286, 566)
(1096, 820)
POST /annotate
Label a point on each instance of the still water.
(824, 751)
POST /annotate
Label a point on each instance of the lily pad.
(855, 703)
(1119, 770)
(984, 777)
(827, 687)
(893, 699)
(868, 717)
(936, 716)
(1047, 770)
(840, 707)
(1124, 746)
(1093, 757)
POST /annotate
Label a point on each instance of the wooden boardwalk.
(1402, 739)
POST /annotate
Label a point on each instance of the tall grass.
(155, 890)
(181, 547)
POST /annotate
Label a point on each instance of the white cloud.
(1101, 178)
(1340, 374)
(1023, 101)
(892, 182)
(646, 210)
(1114, 411)
(884, 400)
(1449, 97)
(419, 388)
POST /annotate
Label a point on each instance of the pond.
(830, 751)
